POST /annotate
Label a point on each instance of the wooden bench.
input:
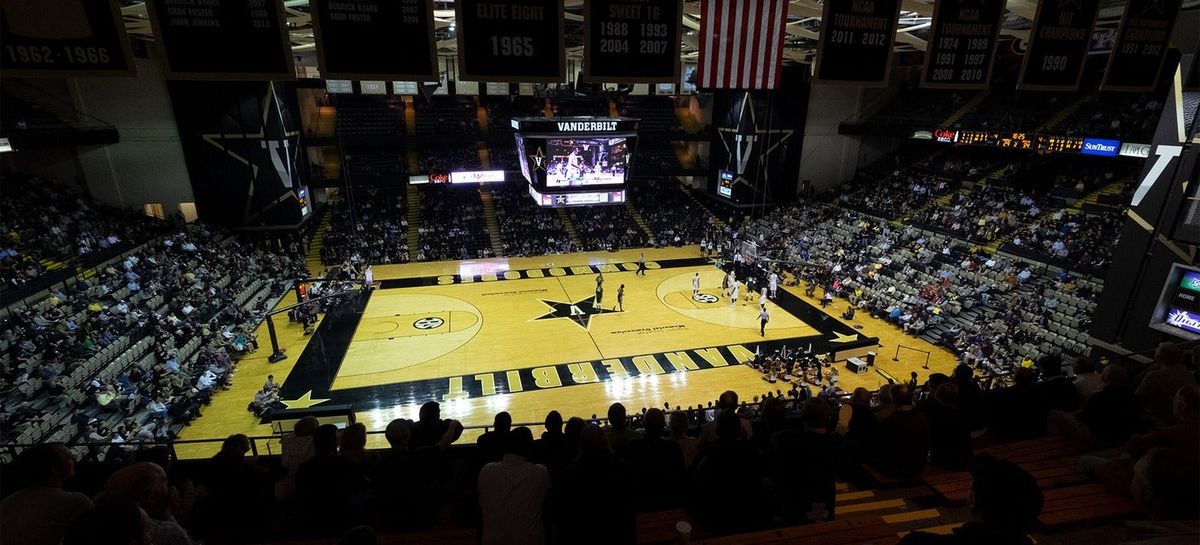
(1053, 461)
(1085, 504)
(849, 531)
(658, 527)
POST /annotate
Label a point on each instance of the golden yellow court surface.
(524, 335)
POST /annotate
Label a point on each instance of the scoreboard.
(1040, 143)
(570, 161)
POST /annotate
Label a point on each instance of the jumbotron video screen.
(577, 162)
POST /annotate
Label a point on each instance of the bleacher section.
(452, 224)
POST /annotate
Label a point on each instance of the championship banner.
(631, 41)
(358, 39)
(962, 44)
(741, 44)
(856, 42)
(1058, 45)
(1141, 48)
(223, 39)
(511, 40)
(65, 38)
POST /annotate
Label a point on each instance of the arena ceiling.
(803, 28)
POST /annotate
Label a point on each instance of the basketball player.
(641, 264)
(695, 284)
(599, 295)
(763, 318)
(762, 299)
(773, 282)
(574, 173)
(620, 299)
(733, 293)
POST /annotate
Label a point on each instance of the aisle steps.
(414, 220)
(569, 226)
(489, 217)
(639, 220)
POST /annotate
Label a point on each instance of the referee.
(763, 318)
(641, 264)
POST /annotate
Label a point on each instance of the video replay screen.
(577, 162)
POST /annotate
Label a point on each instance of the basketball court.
(525, 335)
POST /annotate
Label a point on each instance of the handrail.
(926, 352)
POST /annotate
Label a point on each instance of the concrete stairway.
(1064, 113)
(965, 109)
(489, 218)
(1114, 188)
(639, 220)
(414, 220)
(313, 254)
(569, 226)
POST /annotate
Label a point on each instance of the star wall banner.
(241, 142)
(1141, 49)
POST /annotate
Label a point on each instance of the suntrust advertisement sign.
(1096, 146)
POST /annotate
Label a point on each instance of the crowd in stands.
(527, 229)
(43, 223)
(362, 118)
(134, 352)
(994, 311)
(607, 228)
(446, 115)
(452, 225)
(448, 158)
(917, 107)
(657, 113)
(734, 467)
(369, 226)
(1119, 116)
(973, 198)
(673, 217)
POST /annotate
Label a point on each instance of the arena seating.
(452, 224)
(657, 113)
(446, 115)
(376, 167)
(501, 111)
(1119, 116)
(913, 107)
(669, 213)
(370, 226)
(362, 118)
(134, 352)
(525, 228)
(607, 228)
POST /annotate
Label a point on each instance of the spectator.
(689, 446)
(1055, 392)
(145, 484)
(949, 432)
(1018, 411)
(1160, 382)
(41, 511)
(1087, 380)
(729, 494)
(430, 428)
(596, 483)
(490, 446)
(406, 481)
(619, 434)
(512, 494)
(657, 464)
(1005, 503)
(804, 466)
(326, 484)
(110, 523)
(902, 444)
(295, 449)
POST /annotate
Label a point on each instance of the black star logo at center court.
(580, 312)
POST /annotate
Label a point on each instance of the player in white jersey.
(733, 295)
(695, 284)
(773, 280)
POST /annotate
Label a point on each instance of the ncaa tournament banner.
(1058, 45)
(856, 40)
(1141, 47)
(241, 142)
(223, 39)
(360, 39)
(511, 40)
(631, 41)
(64, 38)
(962, 44)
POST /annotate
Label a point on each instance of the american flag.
(741, 43)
